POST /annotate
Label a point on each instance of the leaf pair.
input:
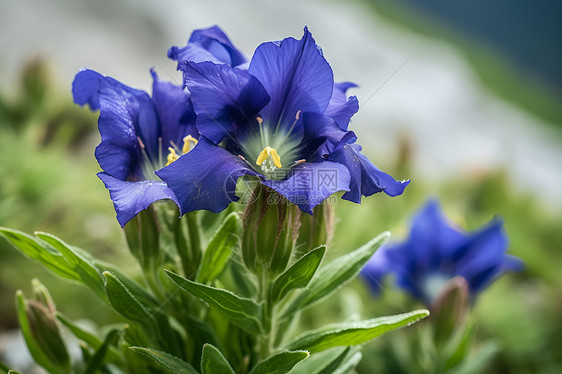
(57, 256)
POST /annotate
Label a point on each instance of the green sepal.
(224, 241)
(166, 361)
(142, 235)
(188, 243)
(331, 277)
(243, 312)
(354, 333)
(298, 275)
(280, 363)
(213, 361)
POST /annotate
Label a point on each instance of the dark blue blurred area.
(527, 33)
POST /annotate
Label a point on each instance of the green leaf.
(225, 239)
(335, 274)
(171, 364)
(125, 303)
(88, 273)
(298, 275)
(136, 289)
(39, 251)
(354, 333)
(243, 312)
(279, 363)
(213, 362)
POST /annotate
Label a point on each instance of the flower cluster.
(436, 252)
(278, 117)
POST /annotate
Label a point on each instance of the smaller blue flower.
(437, 252)
(139, 134)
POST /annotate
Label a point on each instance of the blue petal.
(366, 178)
(205, 178)
(209, 44)
(224, 99)
(483, 256)
(309, 184)
(126, 114)
(85, 88)
(296, 76)
(175, 112)
(340, 108)
(129, 198)
(434, 239)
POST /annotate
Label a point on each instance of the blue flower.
(437, 252)
(279, 118)
(139, 135)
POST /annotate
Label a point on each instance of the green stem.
(264, 340)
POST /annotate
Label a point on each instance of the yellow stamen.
(189, 142)
(269, 152)
(172, 156)
(298, 115)
(260, 120)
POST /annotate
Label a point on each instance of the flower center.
(269, 159)
(189, 142)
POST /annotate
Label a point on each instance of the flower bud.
(316, 229)
(271, 227)
(37, 317)
(450, 307)
(142, 234)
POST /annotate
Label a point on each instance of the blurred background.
(464, 98)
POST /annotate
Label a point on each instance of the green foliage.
(180, 331)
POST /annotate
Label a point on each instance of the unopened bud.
(271, 227)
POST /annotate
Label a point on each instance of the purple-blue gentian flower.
(139, 135)
(278, 117)
(436, 252)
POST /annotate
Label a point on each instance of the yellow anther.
(298, 115)
(260, 120)
(172, 156)
(269, 152)
(189, 142)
